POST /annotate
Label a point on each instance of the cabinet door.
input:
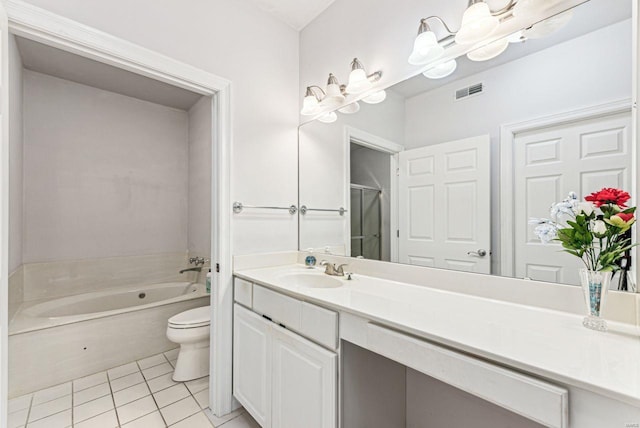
(304, 383)
(252, 364)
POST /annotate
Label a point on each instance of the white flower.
(585, 208)
(566, 207)
(546, 230)
(598, 227)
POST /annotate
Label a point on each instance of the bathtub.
(54, 341)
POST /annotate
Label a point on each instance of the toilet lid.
(197, 317)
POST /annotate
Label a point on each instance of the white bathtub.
(54, 341)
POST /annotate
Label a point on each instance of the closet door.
(304, 383)
(252, 364)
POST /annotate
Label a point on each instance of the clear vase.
(595, 285)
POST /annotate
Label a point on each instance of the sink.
(310, 280)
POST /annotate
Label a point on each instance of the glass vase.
(595, 285)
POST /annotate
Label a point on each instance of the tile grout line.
(113, 400)
(146, 381)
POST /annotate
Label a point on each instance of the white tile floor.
(140, 394)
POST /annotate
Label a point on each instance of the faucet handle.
(340, 268)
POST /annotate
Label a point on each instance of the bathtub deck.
(140, 394)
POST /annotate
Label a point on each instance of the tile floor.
(140, 394)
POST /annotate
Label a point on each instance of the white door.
(582, 157)
(252, 364)
(304, 383)
(445, 205)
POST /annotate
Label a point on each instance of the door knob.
(479, 253)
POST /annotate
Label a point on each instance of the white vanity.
(295, 363)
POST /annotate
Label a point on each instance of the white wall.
(259, 54)
(105, 175)
(586, 71)
(199, 224)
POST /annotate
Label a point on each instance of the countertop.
(544, 342)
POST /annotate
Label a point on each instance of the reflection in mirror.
(447, 172)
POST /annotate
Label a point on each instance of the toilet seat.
(193, 318)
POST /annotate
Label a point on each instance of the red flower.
(625, 216)
(609, 195)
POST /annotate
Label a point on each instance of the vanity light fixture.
(376, 97)
(549, 25)
(478, 22)
(359, 81)
(333, 97)
(441, 70)
(425, 47)
(489, 51)
(350, 108)
(311, 102)
(328, 117)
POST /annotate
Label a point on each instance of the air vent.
(469, 91)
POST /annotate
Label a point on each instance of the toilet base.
(193, 362)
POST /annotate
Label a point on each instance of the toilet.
(190, 329)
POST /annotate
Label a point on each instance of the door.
(366, 222)
(304, 383)
(445, 211)
(252, 364)
(582, 157)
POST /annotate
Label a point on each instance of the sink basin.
(310, 280)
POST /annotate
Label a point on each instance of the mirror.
(447, 172)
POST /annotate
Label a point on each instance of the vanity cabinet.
(281, 378)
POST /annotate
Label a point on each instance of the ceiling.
(295, 13)
(65, 65)
(587, 17)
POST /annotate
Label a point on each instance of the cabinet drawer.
(280, 308)
(242, 292)
(319, 324)
(534, 399)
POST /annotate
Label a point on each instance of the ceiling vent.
(476, 89)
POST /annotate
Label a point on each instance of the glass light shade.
(358, 82)
(310, 106)
(425, 49)
(328, 117)
(441, 70)
(489, 51)
(376, 97)
(350, 108)
(517, 37)
(477, 23)
(334, 96)
(528, 7)
(549, 25)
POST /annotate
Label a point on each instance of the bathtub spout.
(195, 269)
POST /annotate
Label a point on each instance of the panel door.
(445, 211)
(304, 383)
(252, 364)
(581, 157)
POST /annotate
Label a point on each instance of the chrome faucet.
(331, 269)
(194, 269)
(198, 261)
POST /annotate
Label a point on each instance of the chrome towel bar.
(239, 206)
(304, 209)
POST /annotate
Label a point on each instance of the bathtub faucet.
(198, 261)
(195, 269)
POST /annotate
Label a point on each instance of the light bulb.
(528, 7)
(477, 23)
(350, 108)
(489, 51)
(441, 70)
(334, 96)
(549, 25)
(425, 49)
(358, 82)
(310, 104)
(328, 117)
(376, 97)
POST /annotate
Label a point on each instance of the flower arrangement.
(595, 230)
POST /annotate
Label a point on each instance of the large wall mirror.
(447, 172)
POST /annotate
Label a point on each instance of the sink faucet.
(331, 269)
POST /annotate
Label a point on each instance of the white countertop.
(548, 343)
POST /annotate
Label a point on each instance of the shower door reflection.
(366, 222)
